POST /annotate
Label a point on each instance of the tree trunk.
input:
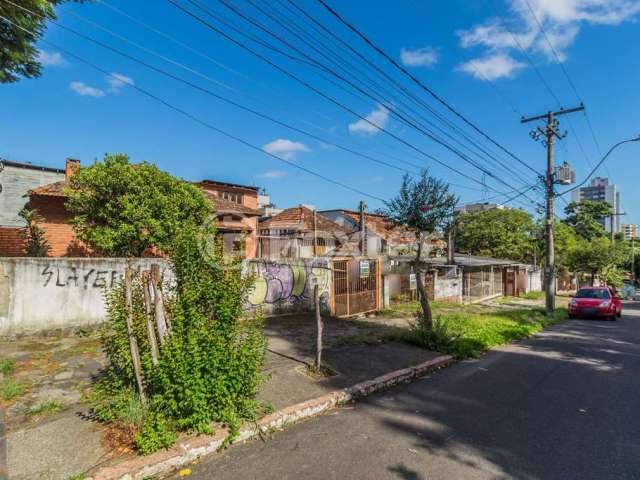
(161, 321)
(151, 330)
(593, 278)
(422, 293)
(133, 344)
(320, 327)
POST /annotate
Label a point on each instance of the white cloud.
(50, 59)
(419, 57)
(284, 148)
(116, 81)
(379, 118)
(491, 67)
(85, 90)
(561, 21)
(377, 179)
(273, 174)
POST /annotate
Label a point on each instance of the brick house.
(381, 237)
(236, 210)
(17, 179)
(297, 232)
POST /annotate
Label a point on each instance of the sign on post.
(364, 268)
(412, 281)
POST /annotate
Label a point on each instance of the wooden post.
(161, 321)
(133, 344)
(151, 330)
(320, 327)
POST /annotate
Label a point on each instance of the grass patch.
(45, 408)
(408, 310)
(10, 389)
(534, 295)
(469, 334)
(7, 366)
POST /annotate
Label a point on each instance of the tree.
(595, 257)
(423, 206)
(565, 241)
(18, 54)
(499, 233)
(122, 209)
(585, 217)
(37, 244)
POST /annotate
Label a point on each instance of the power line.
(542, 79)
(391, 108)
(288, 24)
(419, 83)
(322, 94)
(193, 117)
(569, 80)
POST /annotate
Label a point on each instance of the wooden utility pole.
(315, 234)
(363, 229)
(548, 135)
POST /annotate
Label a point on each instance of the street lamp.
(636, 139)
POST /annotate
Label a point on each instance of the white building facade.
(601, 190)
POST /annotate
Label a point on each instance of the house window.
(233, 244)
(232, 197)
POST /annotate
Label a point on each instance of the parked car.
(600, 302)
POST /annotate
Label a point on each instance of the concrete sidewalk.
(56, 370)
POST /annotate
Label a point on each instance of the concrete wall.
(287, 286)
(39, 294)
(448, 289)
(16, 182)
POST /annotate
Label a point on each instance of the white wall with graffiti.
(287, 286)
(44, 294)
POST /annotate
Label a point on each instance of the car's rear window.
(593, 293)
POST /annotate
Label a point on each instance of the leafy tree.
(122, 209)
(499, 233)
(423, 206)
(595, 257)
(585, 216)
(18, 54)
(37, 244)
(565, 241)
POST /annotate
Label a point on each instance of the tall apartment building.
(601, 191)
(629, 230)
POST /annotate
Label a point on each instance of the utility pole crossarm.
(562, 111)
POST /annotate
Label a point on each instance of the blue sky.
(460, 49)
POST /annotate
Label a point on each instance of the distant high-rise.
(629, 230)
(601, 191)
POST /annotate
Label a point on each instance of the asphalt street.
(563, 405)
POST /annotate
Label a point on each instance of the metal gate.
(356, 286)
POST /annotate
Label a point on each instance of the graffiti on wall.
(290, 285)
(75, 277)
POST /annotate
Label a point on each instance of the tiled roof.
(220, 205)
(55, 189)
(301, 220)
(215, 183)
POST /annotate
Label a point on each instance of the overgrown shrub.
(209, 366)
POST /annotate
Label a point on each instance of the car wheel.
(620, 314)
(613, 317)
(571, 315)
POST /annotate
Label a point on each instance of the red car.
(601, 302)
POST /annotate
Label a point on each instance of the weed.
(10, 389)
(7, 366)
(48, 407)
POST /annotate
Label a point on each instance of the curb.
(192, 448)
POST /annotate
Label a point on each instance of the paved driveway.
(563, 405)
